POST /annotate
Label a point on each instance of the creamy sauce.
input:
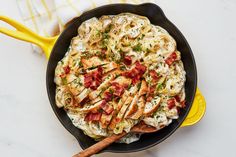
(107, 42)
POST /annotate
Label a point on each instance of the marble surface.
(29, 128)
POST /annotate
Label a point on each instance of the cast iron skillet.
(157, 17)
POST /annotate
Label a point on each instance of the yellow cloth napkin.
(42, 16)
(47, 16)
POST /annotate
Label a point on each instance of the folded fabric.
(49, 17)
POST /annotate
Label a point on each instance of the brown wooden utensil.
(139, 128)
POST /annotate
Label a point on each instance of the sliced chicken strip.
(94, 94)
(151, 107)
(132, 107)
(79, 98)
(140, 108)
(122, 100)
(91, 107)
(121, 113)
(105, 120)
(92, 62)
(109, 67)
(143, 89)
(76, 86)
(123, 80)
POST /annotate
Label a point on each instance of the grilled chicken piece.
(76, 86)
(151, 107)
(76, 90)
(143, 89)
(123, 81)
(79, 98)
(122, 100)
(137, 103)
(116, 119)
(132, 107)
(91, 107)
(106, 119)
(117, 109)
(109, 67)
(95, 100)
(140, 108)
(92, 62)
(116, 72)
(104, 85)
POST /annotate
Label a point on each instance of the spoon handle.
(100, 145)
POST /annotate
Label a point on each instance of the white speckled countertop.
(29, 128)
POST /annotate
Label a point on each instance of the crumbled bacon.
(62, 75)
(170, 59)
(125, 85)
(66, 69)
(108, 96)
(94, 79)
(103, 50)
(183, 104)
(149, 98)
(136, 79)
(83, 101)
(117, 120)
(152, 89)
(115, 83)
(131, 73)
(127, 60)
(93, 116)
(88, 79)
(154, 75)
(177, 98)
(100, 70)
(118, 89)
(106, 107)
(141, 68)
(136, 73)
(94, 85)
(171, 103)
(150, 94)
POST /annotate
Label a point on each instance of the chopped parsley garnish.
(104, 43)
(117, 75)
(123, 68)
(139, 85)
(86, 55)
(105, 36)
(108, 29)
(111, 91)
(79, 81)
(92, 67)
(100, 54)
(80, 64)
(100, 110)
(130, 85)
(159, 86)
(142, 36)
(137, 47)
(64, 81)
(98, 33)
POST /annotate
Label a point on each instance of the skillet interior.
(157, 17)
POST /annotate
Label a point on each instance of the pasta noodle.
(120, 70)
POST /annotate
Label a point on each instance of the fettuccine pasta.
(120, 70)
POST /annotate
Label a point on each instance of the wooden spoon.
(139, 128)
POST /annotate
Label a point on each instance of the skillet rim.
(165, 19)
